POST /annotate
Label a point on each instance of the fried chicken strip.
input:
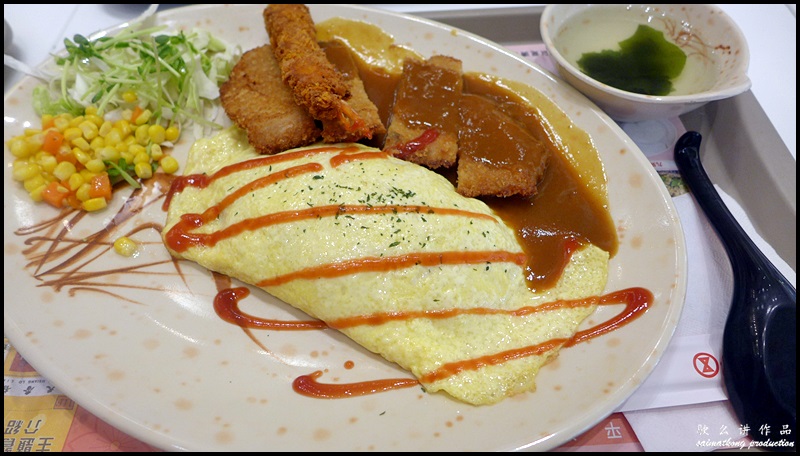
(332, 131)
(316, 84)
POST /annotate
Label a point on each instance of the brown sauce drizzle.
(563, 211)
(550, 226)
(60, 260)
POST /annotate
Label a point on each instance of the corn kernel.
(35, 141)
(25, 172)
(64, 170)
(140, 157)
(81, 156)
(88, 175)
(90, 110)
(34, 182)
(169, 164)
(143, 170)
(97, 143)
(61, 122)
(105, 128)
(156, 152)
(82, 193)
(82, 144)
(47, 162)
(95, 119)
(72, 133)
(122, 148)
(125, 246)
(75, 181)
(137, 149)
(89, 129)
(48, 176)
(127, 156)
(76, 121)
(36, 194)
(173, 133)
(127, 114)
(108, 154)
(144, 117)
(19, 147)
(129, 96)
(157, 133)
(142, 135)
(94, 204)
(124, 126)
(113, 137)
(95, 165)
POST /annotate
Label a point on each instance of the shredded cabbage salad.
(176, 75)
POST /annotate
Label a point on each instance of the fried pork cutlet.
(497, 156)
(339, 55)
(316, 84)
(425, 116)
(257, 100)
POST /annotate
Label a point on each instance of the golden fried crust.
(316, 84)
(497, 156)
(425, 116)
(333, 131)
(257, 100)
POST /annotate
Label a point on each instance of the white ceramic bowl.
(716, 65)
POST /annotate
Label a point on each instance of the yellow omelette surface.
(397, 245)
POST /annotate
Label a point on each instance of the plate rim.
(92, 404)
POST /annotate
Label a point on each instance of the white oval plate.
(145, 351)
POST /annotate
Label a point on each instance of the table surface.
(770, 31)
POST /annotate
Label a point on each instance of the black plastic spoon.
(759, 347)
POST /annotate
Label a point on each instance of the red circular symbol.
(706, 365)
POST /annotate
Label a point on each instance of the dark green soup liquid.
(646, 63)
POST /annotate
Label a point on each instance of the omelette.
(385, 251)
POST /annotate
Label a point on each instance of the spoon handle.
(741, 249)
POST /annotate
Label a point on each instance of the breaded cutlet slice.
(333, 131)
(257, 100)
(425, 118)
(497, 156)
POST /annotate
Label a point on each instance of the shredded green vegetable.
(174, 75)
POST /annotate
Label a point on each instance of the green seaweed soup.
(646, 63)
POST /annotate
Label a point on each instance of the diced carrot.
(52, 141)
(100, 186)
(137, 111)
(65, 154)
(53, 195)
(72, 200)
